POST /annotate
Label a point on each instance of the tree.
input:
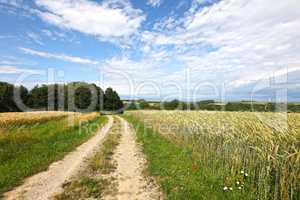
(172, 105)
(38, 98)
(20, 98)
(143, 104)
(112, 101)
(6, 97)
(75, 96)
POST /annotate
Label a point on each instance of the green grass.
(31, 149)
(178, 171)
(83, 188)
(91, 183)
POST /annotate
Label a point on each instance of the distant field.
(29, 142)
(222, 155)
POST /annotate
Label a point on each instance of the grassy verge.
(95, 180)
(31, 149)
(178, 171)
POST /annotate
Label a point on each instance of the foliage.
(172, 105)
(211, 105)
(139, 104)
(143, 104)
(7, 103)
(75, 96)
(112, 101)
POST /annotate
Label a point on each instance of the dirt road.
(44, 185)
(131, 182)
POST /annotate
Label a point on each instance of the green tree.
(38, 98)
(172, 105)
(6, 97)
(112, 101)
(143, 104)
(80, 95)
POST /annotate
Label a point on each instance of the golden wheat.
(265, 145)
(16, 119)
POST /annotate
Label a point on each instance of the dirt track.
(131, 182)
(44, 185)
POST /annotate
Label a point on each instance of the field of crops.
(29, 142)
(241, 154)
(18, 119)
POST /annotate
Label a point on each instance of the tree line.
(75, 96)
(212, 105)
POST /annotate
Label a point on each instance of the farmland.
(221, 155)
(29, 142)
(190, 154)
(14, 119)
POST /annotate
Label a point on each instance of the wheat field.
(16, 119)
(257, 153)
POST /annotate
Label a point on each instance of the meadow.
(221, 155)
(30, 142)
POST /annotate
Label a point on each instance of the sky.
(156, 49)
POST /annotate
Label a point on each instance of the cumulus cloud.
(230, 42)
(233, 42)
(63, 57)
(111, 19)
(136, 70)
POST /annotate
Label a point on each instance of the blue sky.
(156, 49)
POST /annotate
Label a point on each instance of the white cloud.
(17, 7)
(244, 80)
(7, 69)
(155, 3)
(137, 70)
(9, 62)
(128, 75)
(14, 3)
(48, 33)
(61, 36)
(35, 38)
(111, 19)
(235, 42)
(232, 41)
(63, 57)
